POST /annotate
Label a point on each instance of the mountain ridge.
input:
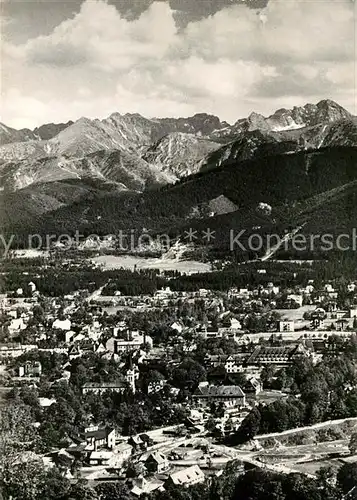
(112, 165)
(277, 180)
(168, 148)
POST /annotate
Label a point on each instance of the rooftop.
(99, 433)
(187, 475)
(106, 385)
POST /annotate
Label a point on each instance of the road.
(97, 293)
(272, 251)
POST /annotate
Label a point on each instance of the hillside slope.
(176, 147)
(117, 166)
(180, 154)
(24, 207)
(279, 181)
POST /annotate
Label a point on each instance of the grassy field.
(129, 262)
(314, 466)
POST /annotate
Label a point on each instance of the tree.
(21, 481)
(17, 434)
(326, 476)
(259, 485)
(135, 469)
(188, 374)
(81, 491)
(298, 486)
(113, 491)
(347, 477)
(54, 486)
(249, 427)
(267, 374)
(38, 313)
(352, 446)
(210, 425)
(27, 479)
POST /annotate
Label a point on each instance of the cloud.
(60, 53)
(236, 60)
(285, 32)
(99, 36)
(294, 80)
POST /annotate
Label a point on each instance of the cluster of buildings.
(108, 456)
(263, 327)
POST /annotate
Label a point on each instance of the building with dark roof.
(100, 387)
(278, 356)
(228, 395)
(100, 437)
(156, 462)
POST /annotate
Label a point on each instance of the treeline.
(56, 281)
(142, 282)
(52, 279)
(258, 484)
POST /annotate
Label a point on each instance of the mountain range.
(160, 151)
(127, 171)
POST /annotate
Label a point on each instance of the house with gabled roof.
(278, 356)
(30, 369)
(61, 324)
(156, 463)
(123, 451)
(74, 352)
(100, 349)
(101, 457)
(186, 477)
(228, 395)
(253, 386)
(142, 485)
(97, 437)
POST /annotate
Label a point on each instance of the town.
(178, 278)
(142, 393)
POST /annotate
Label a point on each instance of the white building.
(64, 324)
(353, 312)
(16, 325)
(187, 477)
(286, 325)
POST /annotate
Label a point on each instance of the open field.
(296, 314)
(164, 264)
(313, 466)
(305, 452)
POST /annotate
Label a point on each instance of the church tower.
(130, 375)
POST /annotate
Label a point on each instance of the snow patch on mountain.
(168, 148)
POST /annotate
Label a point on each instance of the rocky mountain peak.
(256, 121)
(174, 146)
(49, 130)
(331, 111)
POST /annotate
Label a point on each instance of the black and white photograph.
(178, 250)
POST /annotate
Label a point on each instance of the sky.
(61, 60)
